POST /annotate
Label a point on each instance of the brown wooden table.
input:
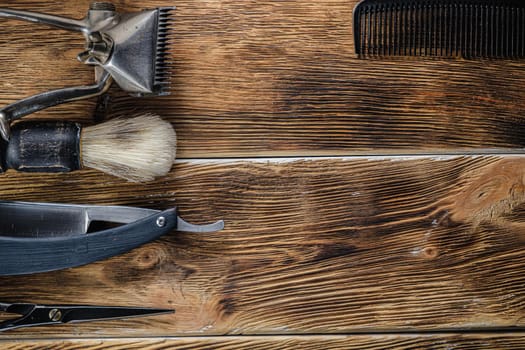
(374, 204)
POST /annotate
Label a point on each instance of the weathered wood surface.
(316, 245)
(320, 246)
(372, 342)
(281, 78)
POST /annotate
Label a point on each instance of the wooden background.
(371, 204)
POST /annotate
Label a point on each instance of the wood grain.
(273, 78)
(310, 246)
(391, 342)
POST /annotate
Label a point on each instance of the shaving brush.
(139, 148)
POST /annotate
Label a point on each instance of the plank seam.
(519, 331)
(284, 159)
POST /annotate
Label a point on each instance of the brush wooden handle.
(48, 147)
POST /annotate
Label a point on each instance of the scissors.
(40, 315)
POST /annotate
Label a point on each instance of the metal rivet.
(55, 315)
(161, 221)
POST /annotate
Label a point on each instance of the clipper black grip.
(49, 147)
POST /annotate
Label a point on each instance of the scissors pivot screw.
(55, 315)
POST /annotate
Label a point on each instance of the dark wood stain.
(334, 251)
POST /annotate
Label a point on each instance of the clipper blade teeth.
(163, 61)
(443, 28)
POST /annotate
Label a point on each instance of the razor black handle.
(48, 147)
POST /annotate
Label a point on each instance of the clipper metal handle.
(128, 48)
(48, 99)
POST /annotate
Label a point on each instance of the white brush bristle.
(138, 148)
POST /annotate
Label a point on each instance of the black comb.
(444, 28)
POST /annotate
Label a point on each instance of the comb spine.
(470, 34)
(477, 34)
(434, 44)
(384, 24)
(390, 31)
(448, 47)
(358, 32)
(522, 32)
(370, 33)
(490, 30)
(366, 30)
(439, 31)
(395, 37)
(379, 28)
(497, 40)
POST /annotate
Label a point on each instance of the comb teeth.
(443, 28)
(163, 60)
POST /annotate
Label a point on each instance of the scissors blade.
(73, 314)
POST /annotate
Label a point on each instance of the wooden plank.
(310, 246)
(266, 78)
(394, 342)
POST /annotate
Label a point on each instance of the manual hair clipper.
(128, 48)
